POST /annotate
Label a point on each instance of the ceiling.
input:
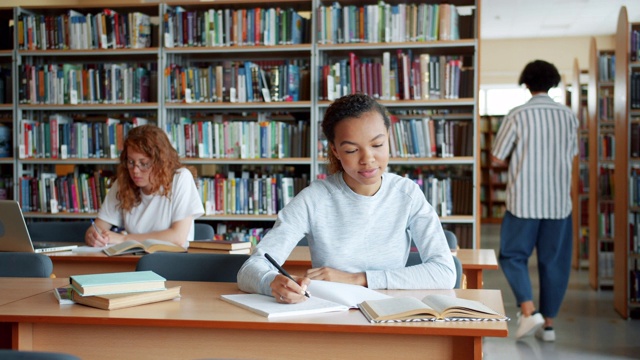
(508, 19)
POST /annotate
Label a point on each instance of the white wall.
(501, 61)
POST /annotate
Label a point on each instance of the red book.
(352, 68)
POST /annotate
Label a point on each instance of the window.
(498, 100)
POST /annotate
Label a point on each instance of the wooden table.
(200, 325)
(69, 263)
(16, 289)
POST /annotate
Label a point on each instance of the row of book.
(73, 193)
(606, 220)
(605, 184)
(634, 139)
(605, 105)
(103, 83)
(634, 46)
(249, 194)
(634, 187)
(634, 92)
(430, 138)
(403, 76)
(606, 67)
(234, 27)
(6, 187)
(634, 233)
(384, 22)
(449, 194)
(6, 85)
(606, 146)
(60, 137)
(219, 139)
(237, 81)
(79, 192)
(73, 30)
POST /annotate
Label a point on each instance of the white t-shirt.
(156, 212)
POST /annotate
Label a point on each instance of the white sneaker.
(527, 325)
(546, 334)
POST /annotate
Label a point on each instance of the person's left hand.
(117, 238)
(331, 274)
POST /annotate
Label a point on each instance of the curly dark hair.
(348, 106)
(153, 142)
(539, 75)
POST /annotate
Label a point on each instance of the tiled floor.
(586, 328)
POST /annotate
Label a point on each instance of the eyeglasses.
(143, 166)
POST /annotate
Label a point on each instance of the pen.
(95, 227)
(281, 270)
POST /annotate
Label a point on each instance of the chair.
(58, 231)
(203, 231)
(34, 355)
(193, 267)
(452, 240)
(23, 264)
(414, 259)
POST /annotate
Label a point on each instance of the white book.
(324, 297)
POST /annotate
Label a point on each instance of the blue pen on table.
(281, 270)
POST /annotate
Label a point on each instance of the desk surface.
(14, 289)
(40, 323)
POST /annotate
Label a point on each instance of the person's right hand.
(95, 238)
(287, 291)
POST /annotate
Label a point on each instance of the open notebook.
(14, 235)
(325, 297)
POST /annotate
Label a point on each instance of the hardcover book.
(125, 300)
(113, 283)
(147, 246)
(430, 308)
(220, 244)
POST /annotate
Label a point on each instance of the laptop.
(14, 235)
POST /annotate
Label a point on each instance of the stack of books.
(222, 246)
(113, 291)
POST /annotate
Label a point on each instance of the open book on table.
(148, 246)
(430, 308)
(325, 297)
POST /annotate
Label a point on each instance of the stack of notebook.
(116, 290)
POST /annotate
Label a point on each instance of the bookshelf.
(414, 100)
(627, 162)
(7, 166)
(193, 108)
(83, 77)
(494, 178)
(580, 173)
(601, 165)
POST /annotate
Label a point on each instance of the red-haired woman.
(154, 195)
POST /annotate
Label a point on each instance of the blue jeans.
(552, 239)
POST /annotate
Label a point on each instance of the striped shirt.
(541, 137)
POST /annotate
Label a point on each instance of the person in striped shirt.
(538, 142)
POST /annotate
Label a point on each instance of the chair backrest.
(452, 239)
(202, 231)
(6, 354)
(414, 259)
(22, 264)
(193, 267)
(58, 231)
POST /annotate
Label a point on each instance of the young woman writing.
(359, 222)
(154, 195)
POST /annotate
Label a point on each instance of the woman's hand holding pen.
(288, 291)
(96, 237)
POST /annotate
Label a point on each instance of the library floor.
(587, 327)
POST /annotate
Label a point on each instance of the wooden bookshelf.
(494, 178)
(627, 164)
(580, 172)
(601, 167)
(174, 110)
